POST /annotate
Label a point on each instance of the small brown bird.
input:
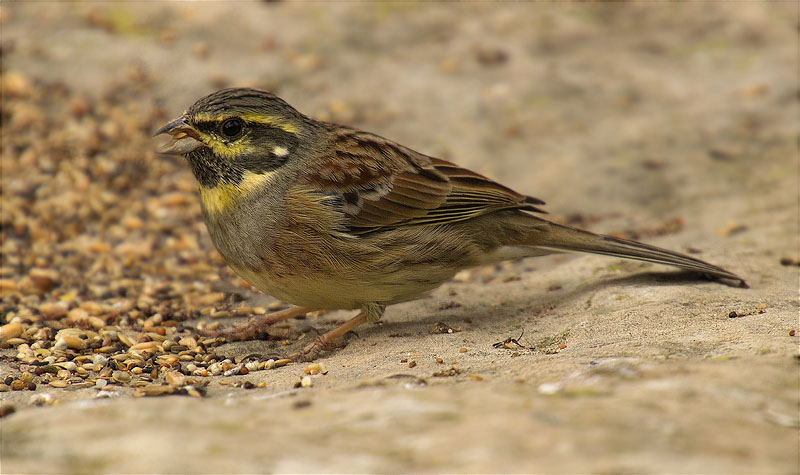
(323, 216)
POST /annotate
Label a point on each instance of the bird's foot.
(325, 341)
(261, 325)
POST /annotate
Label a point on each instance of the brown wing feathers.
(399, 187)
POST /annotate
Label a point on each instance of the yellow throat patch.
(225, 195)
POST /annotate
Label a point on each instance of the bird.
(324, 216)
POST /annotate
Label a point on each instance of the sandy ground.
(623, 117)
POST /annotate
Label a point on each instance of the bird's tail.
(567, 238)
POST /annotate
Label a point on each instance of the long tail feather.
(566, 238)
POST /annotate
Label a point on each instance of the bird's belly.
(329, 292)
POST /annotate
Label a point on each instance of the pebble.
(101, 383)
(7, 410)
(44, 399)
(549, 388)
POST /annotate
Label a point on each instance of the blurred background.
(668, 121)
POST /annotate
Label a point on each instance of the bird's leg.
(370, 313)
(261, 324)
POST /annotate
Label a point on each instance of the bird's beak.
(184, 137)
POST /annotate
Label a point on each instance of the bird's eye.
(231, 128)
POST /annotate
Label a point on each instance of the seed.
(306, 382)
(175, 378)
(195, 391)
(125, 340)
(282, 362)
(77, 315)
(233, 371)
(315, 368)
(156, 390)
(67, 365)
(10, 330)
(150, 346)
(15, 341)
(74, 342)
(121, 377)
(53, 311)
(58, 383)
(166, 360)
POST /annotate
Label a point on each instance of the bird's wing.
(381, 184)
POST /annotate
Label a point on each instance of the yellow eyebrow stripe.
(259, 119)
(225, 195)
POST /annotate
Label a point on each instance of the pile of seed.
(156, 361)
